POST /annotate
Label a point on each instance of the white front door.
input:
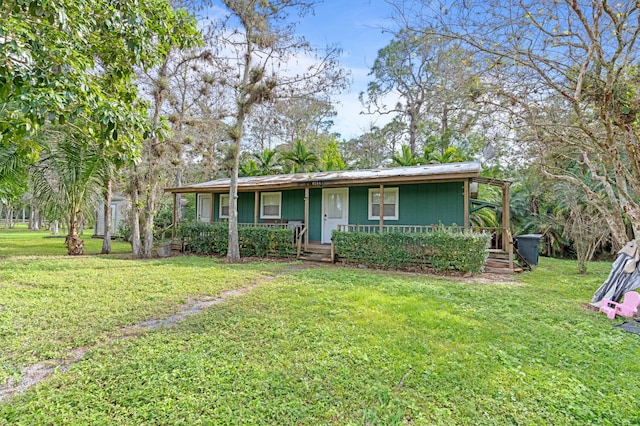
(335, 211)
(204, 208)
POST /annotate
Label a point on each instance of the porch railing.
(299, 242)
(411, 229)
(297, 227)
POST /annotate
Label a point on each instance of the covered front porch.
(313, 205)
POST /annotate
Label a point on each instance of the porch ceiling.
(397, 175)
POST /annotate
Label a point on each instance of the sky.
(355, 27)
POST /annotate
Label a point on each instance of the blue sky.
(355, 26)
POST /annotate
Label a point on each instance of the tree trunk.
(35, 225)
(10, 213)
(75, 246)
(233, 249)
(54, 229)
(147, 243)
(413, 131)
(106, 233)
(135, 223)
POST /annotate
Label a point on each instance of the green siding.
(293, 205)
(420, 204)
(245, 208)
(315, 214)
(358, 199)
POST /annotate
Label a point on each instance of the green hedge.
(205, 238)
(441, 249)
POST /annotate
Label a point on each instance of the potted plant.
(162, 244)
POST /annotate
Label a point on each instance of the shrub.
(442, 249)
(124, 231)
(204, 238)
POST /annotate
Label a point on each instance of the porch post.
(175, 216)
(507, 244)
(381, 207)
(466, 204)
(306, 216)
(256, 207)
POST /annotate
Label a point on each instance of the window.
(270, 205)
(390, 204)
(224, 206)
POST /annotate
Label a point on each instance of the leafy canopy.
(66, 60)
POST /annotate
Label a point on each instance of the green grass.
(22, 242)
(326, 345)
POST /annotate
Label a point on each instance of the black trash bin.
(528, 245)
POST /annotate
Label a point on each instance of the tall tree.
(150, 174)
(331, 157)
(371, 148)
(569, 74)
(285, 121)
(429, 79)
(76, 61)
(260, 39)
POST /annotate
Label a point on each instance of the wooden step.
(504, 271)
(498, 254)
(318, 249)
(316, 257)
(497, 263)
(500, 266)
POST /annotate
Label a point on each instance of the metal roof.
(413, 174)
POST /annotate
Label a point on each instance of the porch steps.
(500, 266)
(498, 254)
(317, 253)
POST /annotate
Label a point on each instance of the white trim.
(202, 199)
(264, 216)
(394, 191)
(331, 224)
(221, 204)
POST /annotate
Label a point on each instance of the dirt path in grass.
(35, 373)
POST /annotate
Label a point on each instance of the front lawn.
(318, 345)
(22, 242)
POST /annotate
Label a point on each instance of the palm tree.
(68, 179)
(267, 161)
(405, 158)
(13, 172)
(449, 155)
(303, 159)
(248, 168)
